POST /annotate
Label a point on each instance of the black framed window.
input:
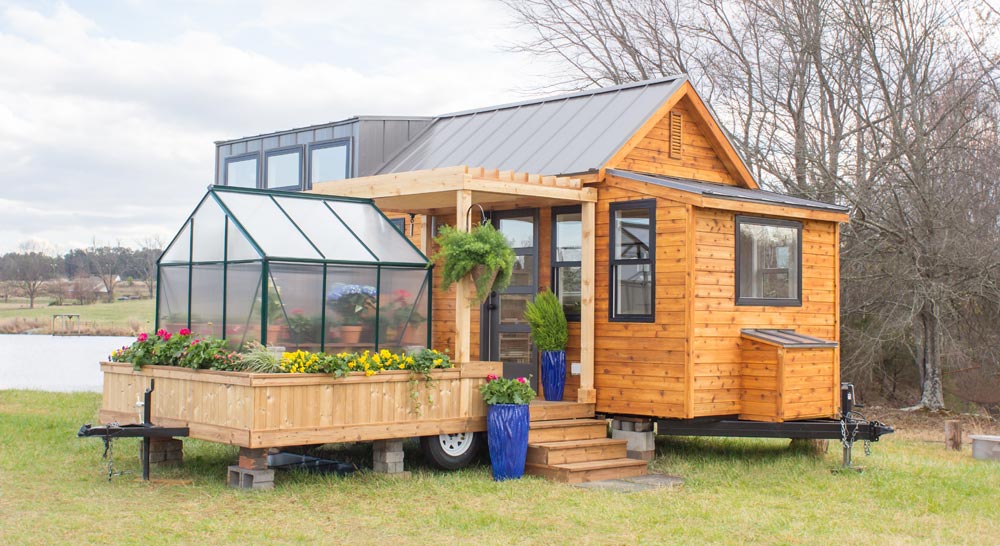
(241, 171)
(283, 168)
(768, 261)
(633, 261)
(329, 160)
(566, 248)
(400, 224)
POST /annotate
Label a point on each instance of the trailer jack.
(144, 430)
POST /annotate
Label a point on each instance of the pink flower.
(166, 336)
(195, 341)
(184, 332)
(521, 380)
(143, 336)
(491, 377)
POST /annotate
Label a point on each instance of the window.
(768, 261)
(241, 171)
(329, 160)
(566, 245)
(633, 251)
(400, 224)
(283, 168)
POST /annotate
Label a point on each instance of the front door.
(505, 332)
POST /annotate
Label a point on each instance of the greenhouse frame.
(302, 271)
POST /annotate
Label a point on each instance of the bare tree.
(29, 270)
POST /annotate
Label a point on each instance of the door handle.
(492, 306)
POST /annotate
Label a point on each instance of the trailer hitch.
(145, 430)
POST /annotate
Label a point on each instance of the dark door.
(505, 333)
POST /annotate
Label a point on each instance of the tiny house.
(691, 293)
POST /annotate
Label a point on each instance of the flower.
(491, 377)
(142, 337)
(184, 332)
(521, 380)
(166, 336)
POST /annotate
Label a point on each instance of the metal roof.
(786, 338)
(734, 193)
(566, 134)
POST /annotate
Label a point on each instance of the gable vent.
(676, 127)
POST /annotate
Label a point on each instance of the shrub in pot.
(550, 333)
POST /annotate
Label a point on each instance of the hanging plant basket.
(481, 254)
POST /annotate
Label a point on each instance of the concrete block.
(388, 468)
(389, 457)
(164, 451)
(641, 455)
(637, 441)
(243, 478)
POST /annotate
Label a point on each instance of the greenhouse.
(301, 271)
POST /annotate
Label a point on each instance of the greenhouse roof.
(238, 224)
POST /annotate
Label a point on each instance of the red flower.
(166, 335)
(491, 377)
(184, 332)
(143, 336)
(521, 380)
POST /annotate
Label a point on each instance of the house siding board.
(584, 130)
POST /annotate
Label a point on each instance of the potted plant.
(507, 423)
(399, 320)
(550, 333)
(303, 328)
(482, 253)
(352, 303)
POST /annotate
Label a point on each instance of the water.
(55, 363)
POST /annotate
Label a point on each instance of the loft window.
(283, 168)
(566, 248)
(241, 171)
(329, 160)
(633, 262)
(768, 261)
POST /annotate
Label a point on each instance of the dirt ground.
(929, 426)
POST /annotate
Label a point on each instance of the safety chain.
(109, 453)
(849, 441)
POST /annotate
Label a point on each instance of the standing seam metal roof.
(734, 193)
(565, 134)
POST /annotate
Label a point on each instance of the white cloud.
(104, 133)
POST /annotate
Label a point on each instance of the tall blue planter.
(553, 374)
(507, 432)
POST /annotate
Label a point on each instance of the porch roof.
(433, 191)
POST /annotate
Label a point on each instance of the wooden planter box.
(274, 410)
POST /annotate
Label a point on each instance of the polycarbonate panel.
(172, 287)
(329, 234)
(239, 248)
(243, 303)
(206, 300)
(299, 320)
(351, 296)
(209, 224)
(402, 308)
(268, 226)
(179, 250)
(377, 232)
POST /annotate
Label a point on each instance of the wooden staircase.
(566, 444)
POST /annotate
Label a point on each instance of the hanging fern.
(461, 253)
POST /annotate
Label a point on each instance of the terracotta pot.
(350, 334)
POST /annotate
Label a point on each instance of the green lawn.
(53, 490)
(119, 317)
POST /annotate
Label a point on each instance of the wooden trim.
(363, 433)
(836, 319)
(689, 289)
(242, 379)
(719, 141)
(588, 277)
(779, 379)
(463, 310)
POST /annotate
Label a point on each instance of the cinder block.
(388, 468)
(389, 457)
(164, 451)
(242, 478)
(641, 455)
(637, 441)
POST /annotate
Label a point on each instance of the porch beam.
(588, 220)
(463, 310)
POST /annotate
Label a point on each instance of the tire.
(452, 451)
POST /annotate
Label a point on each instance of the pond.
(55, 363)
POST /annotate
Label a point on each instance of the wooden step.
(566, 429)
(543, 410)
(589, 471)
(576, 451)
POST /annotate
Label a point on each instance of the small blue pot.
(507, 432)
(553, 374)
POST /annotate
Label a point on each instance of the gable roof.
(566, 134)
(722, 191)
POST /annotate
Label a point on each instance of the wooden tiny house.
(669, 288)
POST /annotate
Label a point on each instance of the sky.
(109, 109)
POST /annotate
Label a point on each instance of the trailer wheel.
(451, 451)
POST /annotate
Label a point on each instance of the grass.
(53, 489)
(118, 318)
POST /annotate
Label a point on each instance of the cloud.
(107, 133)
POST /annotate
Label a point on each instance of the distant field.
(118, 318)
(54, 489)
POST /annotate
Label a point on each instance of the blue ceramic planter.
(553, 374)
(507, 432)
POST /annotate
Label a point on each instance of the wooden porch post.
(588, 214)
(463, 312)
